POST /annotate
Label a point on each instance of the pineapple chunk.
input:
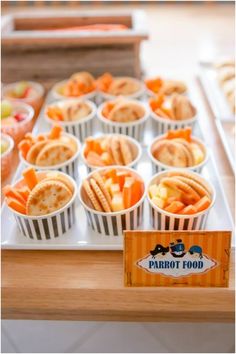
(114, 188)
(108, 183)
(154, 190)
(159, 202)
(117, 202)
(163, 192)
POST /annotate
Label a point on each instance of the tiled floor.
(113, 337)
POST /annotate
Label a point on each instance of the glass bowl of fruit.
(29, 92)
(16, 119)
(7, 146)
(179, 200)
(178, 149)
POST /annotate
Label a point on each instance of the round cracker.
(187, 149)
(55, 176)
(101, 197)
(170, 153)
(99, 180)
(175, 183)
(34, 151)
(190, 176)
(126, 151)
(115, 149)
(47, 197)
(91, 196)
(54, 153)
(195, 185)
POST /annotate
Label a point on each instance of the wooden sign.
(180, 258)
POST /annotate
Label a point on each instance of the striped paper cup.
(18, 130)
(158, 166)
(104, 96)
(114, 223)
(56, 95)
(162, 125)
(35, 101)
(81, 128)
(133, 164)
(69, 167)
(133, 129)
(6, 157)
(50, 226)
(163, 220)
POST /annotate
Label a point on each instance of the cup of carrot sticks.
(43, 203)
(54, 150)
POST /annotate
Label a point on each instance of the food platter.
(220, 108)
(80, 235)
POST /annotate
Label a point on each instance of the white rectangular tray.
(215, 95)
(81, 236)
(224, 117)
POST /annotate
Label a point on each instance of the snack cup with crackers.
(108, 150)
(76, 116)
(43, 203)
(113, 199)
(127, 117)
(167, 87)
(172, 112)
(7, 145)
(110, 87)
(179, 200)
(29, 92)
(55, 150)
(16, 119)
(79, 85)
(177, 149)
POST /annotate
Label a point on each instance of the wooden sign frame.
(177, 258)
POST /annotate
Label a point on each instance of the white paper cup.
(162, 125)
(163, 220)
(81, 128)
(35, 102)
(133, 129)
(114, 223)
(104, 96)
(18, 130)
(6, 157)
(133, 164)
(51, 226)
(158, 166)
(69, 167)
(56, 95)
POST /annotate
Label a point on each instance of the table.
(75, 285)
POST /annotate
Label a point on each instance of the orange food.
(154, 84)
(30, 177)
(174, 207)
(180, 133)
(24, 147)
(132, 192)
(104, 82)
(24, 192)
(54, 113)
(188, 210)
(107, 108)
(156, 102)
(16, 205)
(55, 132)
(202, 204)
(13, 193)
(94, 159)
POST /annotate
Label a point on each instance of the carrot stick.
(202, 204)
(13, 193)
(55, 132)
(16, 205)
(24, 192)
(30, 177)
(24, 147)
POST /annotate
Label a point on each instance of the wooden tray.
(26, 38)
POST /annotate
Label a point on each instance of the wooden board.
(83, 285)
(27, 38)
